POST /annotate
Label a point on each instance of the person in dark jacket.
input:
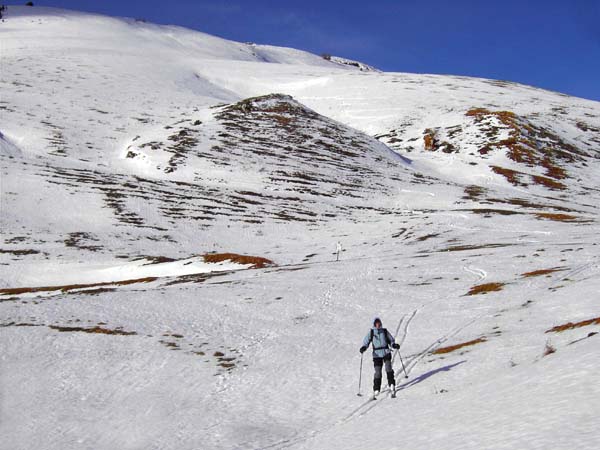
(382, 340)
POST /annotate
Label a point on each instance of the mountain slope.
(171, 204)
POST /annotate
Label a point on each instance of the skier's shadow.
(426, 375)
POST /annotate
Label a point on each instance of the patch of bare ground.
(485, 288)
(432, 142)
(490, 211)
(540, 272)
(170, 345)
(427, 236)
(474, 192)
(97, 291)
(571, 325)
(157, 260)
(452, 348)
(20, 324)
(558, 217)
(20, 252)
(73, 287)
(531, 145)
(255, 262)
(462, 248)
(97, 330)
(78, 240)
(529, 204)
(192, 278)
(226, 362)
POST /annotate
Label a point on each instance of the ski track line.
(406, 325)
(411, 364)
(479, 273)
(293, 441)
(577, 271)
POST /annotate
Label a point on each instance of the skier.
(381, 340)
(338, 249)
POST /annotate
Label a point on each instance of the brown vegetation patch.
(96, 329)
(548, 182)
(227, 366)
(429, 139)
(558, 217)
(427, 236)
(172, 345)
(473, 192)
(571, 325)
(431, 142)
(20, 324)
(531, 145)
(529, 204)
(489, 211)
(78, 240)
(512, 176)
(72, 287)
(157, 260)
(537, 273)
(462, 248)
(451, 348)
(255, 262)
(20, 252)
(485, 288)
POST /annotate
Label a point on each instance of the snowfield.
(170, 208)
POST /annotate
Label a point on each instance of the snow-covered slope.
(170, 208)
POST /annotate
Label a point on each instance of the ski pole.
(360, 375)
(403, 368)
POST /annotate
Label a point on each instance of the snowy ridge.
(170, 208)
(351, 63)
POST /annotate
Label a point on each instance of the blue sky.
(554, 44)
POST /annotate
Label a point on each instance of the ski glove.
(363, 349)
(396, 346)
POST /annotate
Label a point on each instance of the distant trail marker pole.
(360, 375)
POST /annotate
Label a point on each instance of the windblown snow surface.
(170, 208)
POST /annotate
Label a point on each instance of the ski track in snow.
(370, 404)
(479, 273)
(136, 170)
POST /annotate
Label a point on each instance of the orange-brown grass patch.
(451, 348)
(72, 287)
(540, 272)
(558, 217)
(504, 116)
(530, 145)
(549, 182)
(429, 139)
(512, 176)
(96, 329)
(571, 325)
(256, 262)
(485, 288)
